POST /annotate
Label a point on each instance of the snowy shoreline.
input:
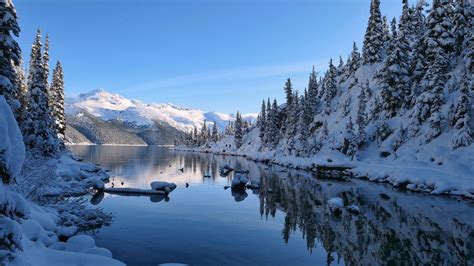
(426, 180)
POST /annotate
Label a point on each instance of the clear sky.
(215, 55)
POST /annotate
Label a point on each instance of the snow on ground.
(434, 169)
(109, 106)
(29, 233)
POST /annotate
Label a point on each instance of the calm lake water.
(286, 222)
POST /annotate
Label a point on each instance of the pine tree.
(22, 94)
(292, 117)
(195, 136)
(429, 102)
(288, 91)
(46, 62)
(461, 23)
(461, 136)
(340, 67)
(386, 35)
(438, 41)
(204, 137)
(394, 79)
(39, 135)
(273, 130)
(215, 132)
(346, 106)
(373, 40)
(393, 33)
(57, 101)
(238, 135)
(349, 143)
(261, 123)
(312, 98)
(329, 85)
(10, 55)
(353, 63)
(363, 98)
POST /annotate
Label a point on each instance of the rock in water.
(239, 180)
(163, 186)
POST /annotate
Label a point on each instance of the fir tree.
(22, 94)
(204, 133)
(353, 63)
(363, 98)
(262, 119)
(461, 136)
(312, 100)
(349, 143)
(46, 62)
(329, 85)
(215, 132)
(292, 117)
(462, 25)
(288, 91)
(386, 35)
(238, 135)
(438, 41)
(38, 132)
(273, 132)
(57, 101)
(394, 79)
(373, 40)
(10, 55)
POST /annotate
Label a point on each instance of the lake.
(286, 222)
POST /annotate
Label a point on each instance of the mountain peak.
(109, 106)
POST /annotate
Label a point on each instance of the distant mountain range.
(101, 117)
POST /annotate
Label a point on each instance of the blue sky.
(216, 55)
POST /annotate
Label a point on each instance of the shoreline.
(353, 170)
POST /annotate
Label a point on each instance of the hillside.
(399, 112)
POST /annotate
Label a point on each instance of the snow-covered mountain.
(109, 106)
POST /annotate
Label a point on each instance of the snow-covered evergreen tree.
(462, 23)
(386, 35)
(239, 132)
(329, 87)
(312, 100)
(273, 129)
(215, 132)
(394, 79)
(288, 91)
(373, 41)
(292, 117)
(461, 136)
(10, 55)
(56, 93)
(349, 141)
(46, 62)
(262, 119)
(363, 98)
(38, 131)
(22, 94)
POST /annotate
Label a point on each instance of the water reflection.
(392, 227)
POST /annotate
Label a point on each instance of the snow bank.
(435, 168)
(12, 149)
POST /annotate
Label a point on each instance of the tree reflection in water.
(393, 228)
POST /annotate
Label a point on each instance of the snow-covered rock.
(163, 186)
(336, 204)
(239, 180)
